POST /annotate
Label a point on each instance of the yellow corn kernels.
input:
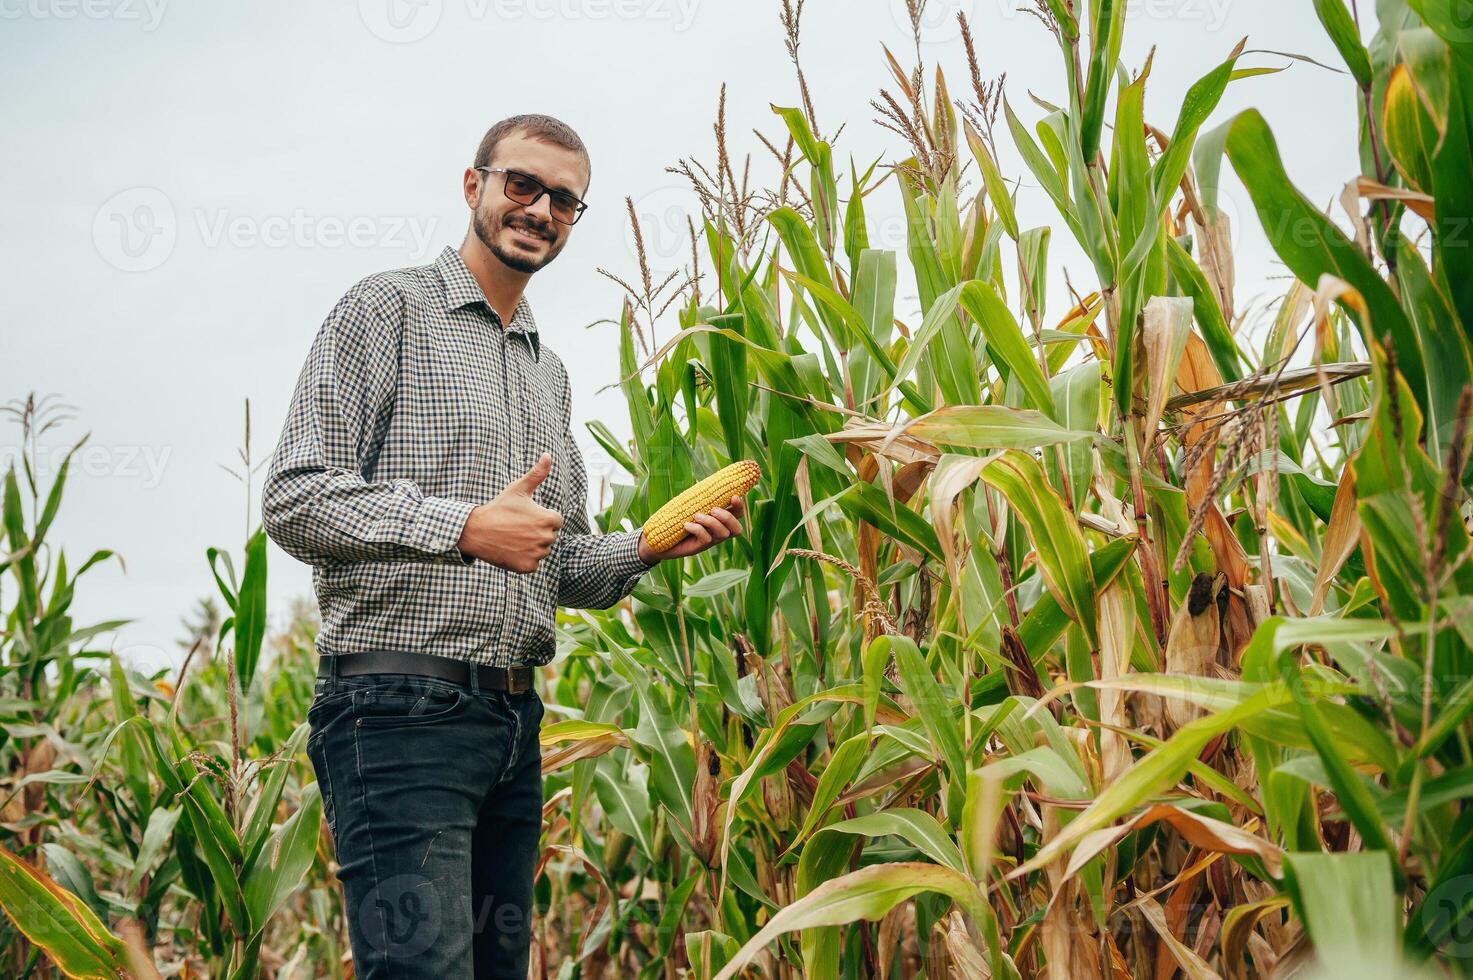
(666, 526)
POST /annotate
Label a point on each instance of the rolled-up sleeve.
(594, 570)
(316, 503)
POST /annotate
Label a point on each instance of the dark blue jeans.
(433, 793)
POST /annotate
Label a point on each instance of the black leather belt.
(512, 680)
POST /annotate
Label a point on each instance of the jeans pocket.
(325, 706)
(391, 708)
(317, 753)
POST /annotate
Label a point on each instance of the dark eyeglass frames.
(528, 190)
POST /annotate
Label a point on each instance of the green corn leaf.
(59, 922)
(1312, 246)
(1214, 326)
(268, 796)
(1355, 799)
(994, 427)
(69, 872)
(870, 503)
(916, 827)
(1006, 343)
(946, 219)
(1153, 773)
(672, 761)
(1451, 166)
(935, 706)
(1450, 20)
(641, 414)
(873, 298)
(250, 614)
(997, 189)
(283, 863)
(856, 229)
(1050, 770)
(841, 767)
(1077, 396)
(623, 793)
(930, 280)
(1058, 542)
(220, 850)
(767, 745)
(1107, 26)
(1033, 253)
(802, 247)
(1043, 171)
(1346, 37)
(156, 837)
(1350, 909)
(864, 894)
(953, 361)
(940, 310)
(1201, 100)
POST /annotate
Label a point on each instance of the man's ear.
(471, 186)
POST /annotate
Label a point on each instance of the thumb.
(533, 478)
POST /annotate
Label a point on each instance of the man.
(428, 471)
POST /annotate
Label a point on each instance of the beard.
(514, 258)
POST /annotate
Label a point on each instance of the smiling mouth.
(527, 236)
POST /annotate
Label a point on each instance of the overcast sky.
(189, 188)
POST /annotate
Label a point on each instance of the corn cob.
(666, 526)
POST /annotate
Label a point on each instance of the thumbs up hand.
(514, 531)
(528, 482)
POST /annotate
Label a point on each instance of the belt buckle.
(512, 685)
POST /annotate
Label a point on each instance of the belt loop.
(473, 669)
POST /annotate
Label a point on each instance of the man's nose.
(541, 208)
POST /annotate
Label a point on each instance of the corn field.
(1127, 640)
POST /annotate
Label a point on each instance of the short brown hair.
(538, 127)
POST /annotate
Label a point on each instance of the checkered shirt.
(415, 405)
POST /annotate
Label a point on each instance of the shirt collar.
(462, 290)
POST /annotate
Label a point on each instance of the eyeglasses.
(528, 190)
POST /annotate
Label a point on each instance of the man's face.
(526, 237)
